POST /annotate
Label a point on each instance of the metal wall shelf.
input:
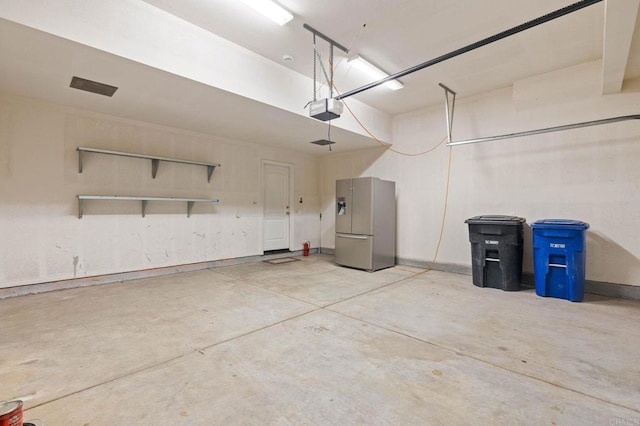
(190, 201)
(155, 161)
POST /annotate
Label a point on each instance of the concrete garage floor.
(308, 342)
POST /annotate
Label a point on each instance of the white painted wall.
(42, 239)
(589, 174)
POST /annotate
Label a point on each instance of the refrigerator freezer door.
(362, 211)
(344, 206)
(355, 251)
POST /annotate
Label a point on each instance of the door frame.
(290, 166)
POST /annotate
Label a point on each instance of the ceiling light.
(270, 10)
(374, 72)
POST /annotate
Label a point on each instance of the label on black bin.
(491, 242)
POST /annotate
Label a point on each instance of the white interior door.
(277, 206)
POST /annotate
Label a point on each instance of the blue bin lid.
(495, 220)
(560, 223)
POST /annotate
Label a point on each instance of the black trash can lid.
(559, 224)
(495, 220)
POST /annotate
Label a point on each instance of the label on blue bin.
(492, 242)
(557, 245)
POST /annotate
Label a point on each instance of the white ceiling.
(393, 34)
(396, 35)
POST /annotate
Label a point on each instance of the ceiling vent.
(92, 86)
(323, 142)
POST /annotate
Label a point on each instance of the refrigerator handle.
(353, 237)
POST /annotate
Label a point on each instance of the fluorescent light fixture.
(374, 72)
(270, 10)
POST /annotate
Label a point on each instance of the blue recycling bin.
(559, 258)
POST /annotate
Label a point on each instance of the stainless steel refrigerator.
(365, 223)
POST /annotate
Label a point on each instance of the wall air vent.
(92, 86)
(323, 142)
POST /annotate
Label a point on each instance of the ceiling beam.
(619, 24)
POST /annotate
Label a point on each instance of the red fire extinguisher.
(306, 248)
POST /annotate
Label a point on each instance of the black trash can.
(496, 251)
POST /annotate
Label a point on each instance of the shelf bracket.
(144, 207)
(210, 170)
(79, 161)
(79, 208)
(190, 207)
(154, 167)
